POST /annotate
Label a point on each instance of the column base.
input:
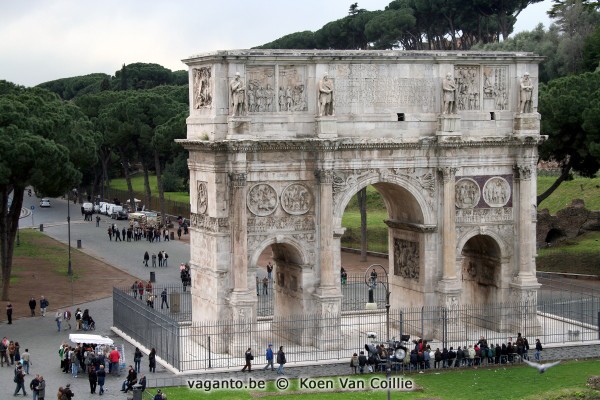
(449, 292)
(328, 333)
(243, 310)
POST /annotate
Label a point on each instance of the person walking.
(153, 260)
(78, 318)
(9, 312)
(34, 387)
(20, 381)
(26, 359)
(280, 360)
(93, 378)
(101, 378)
(3, 355)
(110, 233)
(160, 258)
(269, 357)
(165, 259)
(137, 359)
(67, 318)
(97, 221)
(58, 318)
(41, 388)
(163, 299)
(249, 357)
(32, 305)
(538, 350)
(152, 360)
(67, 393)
(44, 303)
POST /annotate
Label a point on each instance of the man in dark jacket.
(362, 362)
(20, 381)
(101, 374)
(32, 305)
(249, 357)
(281, 360)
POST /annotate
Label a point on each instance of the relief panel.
(496, 192)
(202, 82)
(468, 95)
(406, 259)
(260, 86)
(495, 86)
(202, 199)
(467, 193)
(291, 94)
(262, 199)
(296, 199)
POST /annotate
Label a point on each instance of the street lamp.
(371, 278)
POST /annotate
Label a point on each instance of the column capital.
(324, 176)
(523, 171)
(448, 173)
(237, 179)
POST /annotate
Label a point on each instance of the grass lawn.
(587, 189)
(565, 381)
(582, 256)
(137, 182)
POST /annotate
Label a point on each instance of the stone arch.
(293, 281)
(554, 235)
(481, 261)
(404, 186)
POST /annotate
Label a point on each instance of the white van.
(104, 208)
(113, 210)
(88, 207)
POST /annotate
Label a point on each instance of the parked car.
(45, 202)
(104, 207)
(119, 215)
(113, 209)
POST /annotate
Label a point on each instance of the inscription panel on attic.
(366, 86)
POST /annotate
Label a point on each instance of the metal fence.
(310, 338)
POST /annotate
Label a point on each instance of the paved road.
(41, 337)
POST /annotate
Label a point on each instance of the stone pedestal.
(448, 127)
(526, 125)
(327, 330)
(524, 293)
(243, 312)
(238, 127)
(326, 127)
(449, 291)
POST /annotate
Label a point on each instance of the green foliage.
(138, 187)
(580, 256)
(587, 189)
(138, 76)
(571, 110)
(297, 40)
(591, 51)
(69, 88)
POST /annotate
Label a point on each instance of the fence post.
(209, 359)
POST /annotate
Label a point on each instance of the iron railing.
(198, 346)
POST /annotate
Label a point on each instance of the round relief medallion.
(202, 197)
(296, 199)
(467, 193)
(496, 192)
(262, 199)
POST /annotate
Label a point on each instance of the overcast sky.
(43, 40)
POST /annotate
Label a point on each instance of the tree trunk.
(566, 170)
(159, 184)
(105, 159)
(9, 222)
(125, 163)
(362, 206)
(147, 191)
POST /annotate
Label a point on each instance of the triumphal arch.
(281, 140)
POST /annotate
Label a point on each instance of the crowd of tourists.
(423, 357)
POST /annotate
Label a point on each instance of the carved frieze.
(202, 199)
(291, 93)
(202, 90)
(406, 259)
(467, 193)
(483, 215)
(495, 85)
(426, 181)
(343, 180)
(496, 192)
(262, 199)
(296, 199)
(468, 97)
(523, 171)
(209, 224)
(261, 93)
(286, 223)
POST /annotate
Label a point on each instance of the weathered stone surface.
(568, 223)
(275, 175)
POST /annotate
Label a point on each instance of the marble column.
(239, 232)
(526, 224)
(325, 179)
(448, 224)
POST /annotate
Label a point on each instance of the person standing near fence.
(163, 299)
(538, 350)
(249, 357)
(265, 283)
(269, 357)
(280, 360)
(152, 360)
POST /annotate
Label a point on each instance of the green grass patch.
(587, 189)
(565, 381)
(577, 256)
(32, 243)
(137, 181)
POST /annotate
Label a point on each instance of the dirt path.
(37, 275)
